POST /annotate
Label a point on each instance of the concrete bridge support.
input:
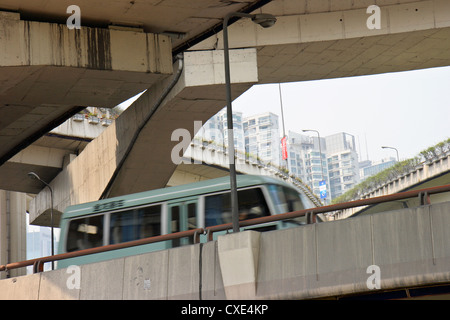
(12, 230)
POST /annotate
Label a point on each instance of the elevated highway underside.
(311, 40)
(312, 45)
(48, 71)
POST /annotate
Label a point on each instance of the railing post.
(197, 235)
(38, 266)
(310, 217)
(209, 235)
(424, 198)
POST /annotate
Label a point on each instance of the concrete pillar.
(238, 257)
(12, 230)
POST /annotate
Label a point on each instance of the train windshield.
(251, 205)
(285, 199)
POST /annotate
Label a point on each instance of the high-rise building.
(343, 165)
(262, 137)
(304, 159)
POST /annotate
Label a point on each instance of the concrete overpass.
(44, 83)
(321, 39)
(426, 174)
(47, 71)
(390, 254)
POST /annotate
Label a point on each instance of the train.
(173, 209)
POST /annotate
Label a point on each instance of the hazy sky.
(408, 110)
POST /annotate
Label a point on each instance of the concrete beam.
(185, 20)
(30, 43)
(344, 20)
(47, 63)
(330, 39)
(47, 162)
(48, 71)
(47, 156)
(198, 95)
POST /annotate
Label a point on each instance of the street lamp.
(320, 150)
(386, 147)
(34, 176)
(266, 21)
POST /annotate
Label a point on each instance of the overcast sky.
(408, 110)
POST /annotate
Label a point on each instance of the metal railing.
(310, 214)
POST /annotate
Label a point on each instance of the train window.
(293, 200)
(149, 222)
(251, 205)
(192, 216)
(85, 233)
(286, 199)
(183, 217)
(135, 224)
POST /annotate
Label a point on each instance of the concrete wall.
(169, 274)
(410, 247)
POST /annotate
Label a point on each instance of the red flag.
(284, 152)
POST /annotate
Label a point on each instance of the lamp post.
(386, 147)
(320, 151)
(266, 21)
(33, 175)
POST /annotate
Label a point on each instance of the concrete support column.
(238, 257)
(13, 230)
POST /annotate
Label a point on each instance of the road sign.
(323, 189)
